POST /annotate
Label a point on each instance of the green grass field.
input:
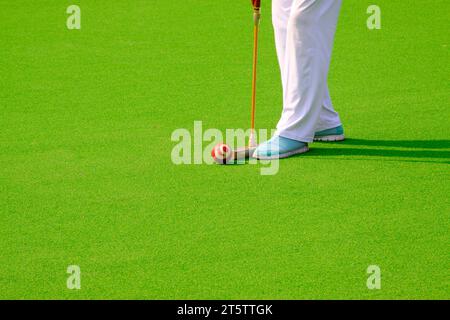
(86, 176)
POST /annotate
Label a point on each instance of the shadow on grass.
(406, 149)
(412, 144)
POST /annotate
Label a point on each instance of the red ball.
(222, 153)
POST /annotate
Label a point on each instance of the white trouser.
(304, 33)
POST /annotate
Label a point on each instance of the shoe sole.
(330, 138)
(284, 155)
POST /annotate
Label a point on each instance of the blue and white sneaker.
(279, 147)
(333, 134)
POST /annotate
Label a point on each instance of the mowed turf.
(86, 176)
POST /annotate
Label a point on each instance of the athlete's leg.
(309, 40)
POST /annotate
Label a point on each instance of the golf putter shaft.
(256, 20)
(245, 153)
